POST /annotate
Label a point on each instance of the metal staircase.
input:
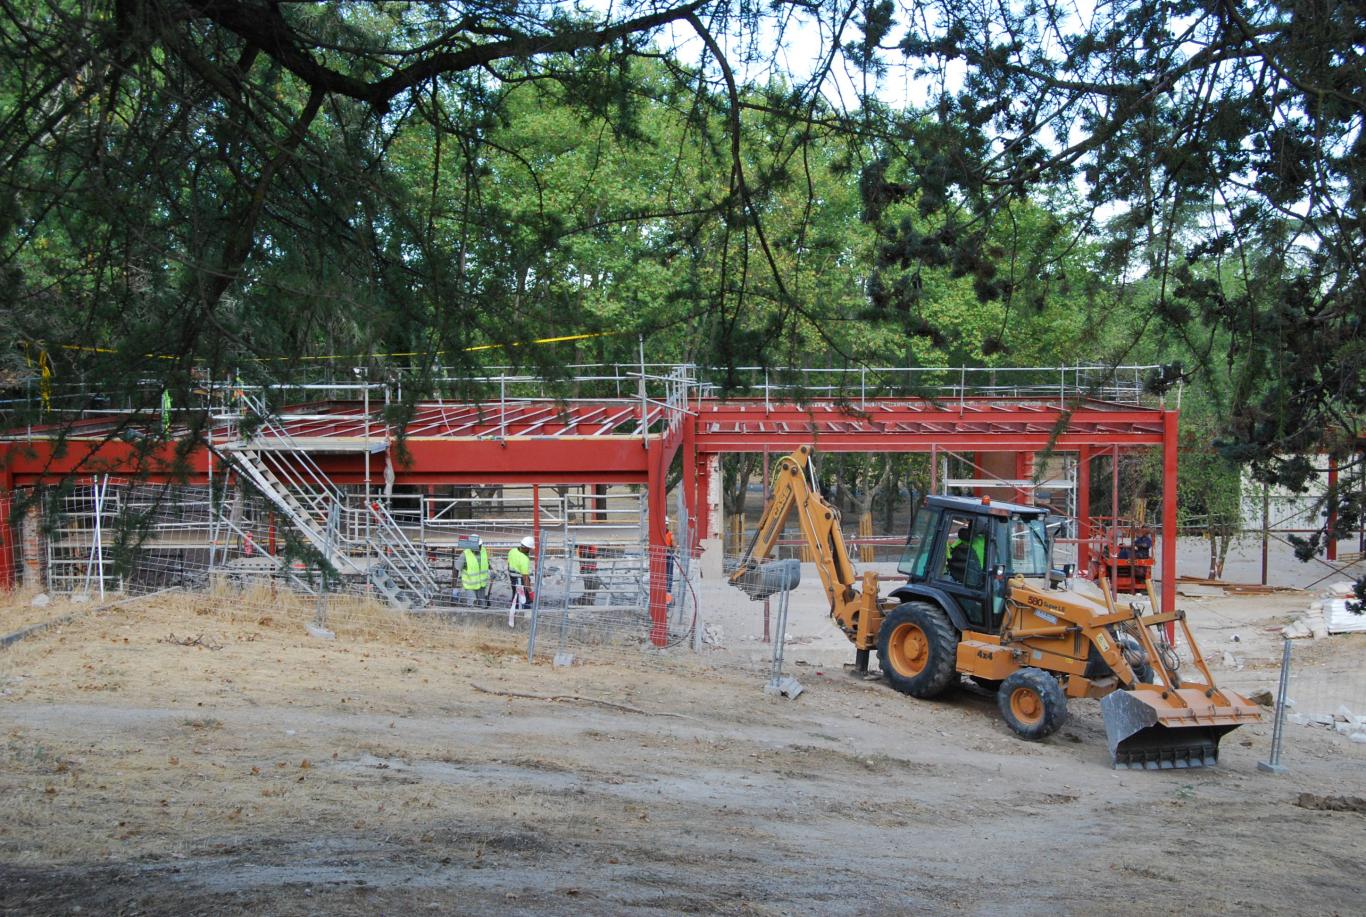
(357, 542)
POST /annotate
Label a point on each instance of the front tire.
(917, 648)
(1033, 703)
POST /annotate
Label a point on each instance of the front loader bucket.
(1147, 731)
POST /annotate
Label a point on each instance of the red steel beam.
(921, 442)
(1169, 459)
(48, 461)
(561, 460)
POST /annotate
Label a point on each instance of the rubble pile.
(1336, 611)
(1344, 722)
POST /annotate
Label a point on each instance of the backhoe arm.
(794, 489)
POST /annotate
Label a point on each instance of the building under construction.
(317, 486)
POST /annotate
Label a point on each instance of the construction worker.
(963, 548)
(519, 572)
(668, 561)
(1143, 544)
(474, 574)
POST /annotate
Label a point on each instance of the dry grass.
(145, 776)
(17, 610)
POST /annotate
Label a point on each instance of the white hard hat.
(475, 538)
(528, 542)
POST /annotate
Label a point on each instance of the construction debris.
(1344, 616)
(1229, 588)
(1331, 803)
(1343, 722)
(198, 641)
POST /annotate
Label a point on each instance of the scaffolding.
(383, 503)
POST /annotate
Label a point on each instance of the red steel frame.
(545, 442)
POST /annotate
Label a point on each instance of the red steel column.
(1084, 510)
(8, 579)
(1332, 508)
(655, 503)
(536, 521)
(766, 481)
(1024, 469)
(689, 483)
(1111, 536)
(702, 520)
(1169, 440)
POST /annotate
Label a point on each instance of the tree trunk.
(863, 503)
(736, 478)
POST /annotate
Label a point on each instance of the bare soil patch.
(286, 774)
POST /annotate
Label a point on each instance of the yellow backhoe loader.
(982, 599)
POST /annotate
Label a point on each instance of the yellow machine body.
(1155, 719)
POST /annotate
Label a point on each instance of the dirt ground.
(261, 770)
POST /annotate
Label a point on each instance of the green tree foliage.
(1215, 141)
(197, 188)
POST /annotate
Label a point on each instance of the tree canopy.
(201, 187)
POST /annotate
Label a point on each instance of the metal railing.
(1125, 384)
(359, 541)
(657, 395)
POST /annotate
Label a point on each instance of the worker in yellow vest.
(474, 574)
(519, 572)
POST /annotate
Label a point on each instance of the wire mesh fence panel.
(1326, 683)
(595, 599)
(591, 587)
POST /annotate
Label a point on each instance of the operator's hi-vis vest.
(518, 562)
(475, 575)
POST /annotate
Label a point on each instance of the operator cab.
(956, 543)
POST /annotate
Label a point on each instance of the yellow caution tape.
(366, 356)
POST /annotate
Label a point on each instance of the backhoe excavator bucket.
(1147, 731)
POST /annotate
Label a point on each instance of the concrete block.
(1297, 630)
(322, 633)
(787, 686)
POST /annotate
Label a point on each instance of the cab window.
(965, 550)
(915, 560)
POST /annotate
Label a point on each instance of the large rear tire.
(917, 648)
(1033, 703)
